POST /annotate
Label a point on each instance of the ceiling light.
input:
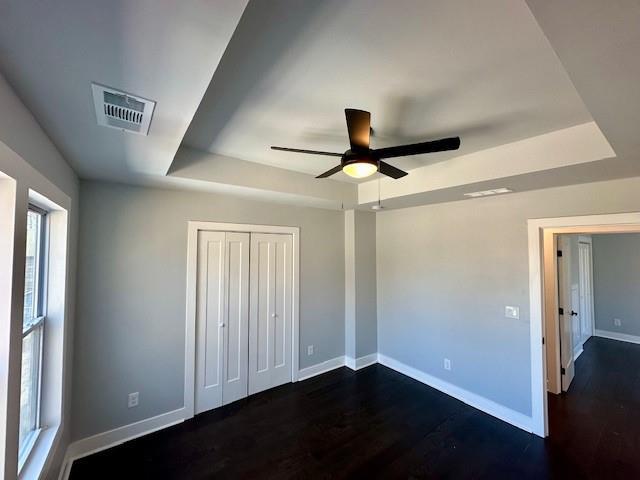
(360, 169)
(486, 193)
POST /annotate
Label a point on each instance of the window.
(32, 328)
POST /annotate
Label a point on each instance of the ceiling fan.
(360, 161)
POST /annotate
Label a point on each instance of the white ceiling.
(162, 50)
(425, 70)
(280, 72)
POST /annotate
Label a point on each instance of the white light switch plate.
(512, 312)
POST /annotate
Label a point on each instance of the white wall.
(132, 287)
(446, 272)
(33, 162)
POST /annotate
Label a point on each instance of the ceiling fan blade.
(313, 152)
(390, 170)
(417, 148)
(328, 173)
(359, 127)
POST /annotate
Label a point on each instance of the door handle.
(573, 314)
(274, 315)
(221, 324)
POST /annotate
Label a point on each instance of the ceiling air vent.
(122, 110)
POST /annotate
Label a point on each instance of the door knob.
(274, 315)
(221, 324)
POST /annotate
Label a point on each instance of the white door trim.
(192, 267)
(537, 230)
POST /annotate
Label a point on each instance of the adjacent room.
(319, 239)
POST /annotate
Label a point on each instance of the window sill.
(31, 442)
(32, 461)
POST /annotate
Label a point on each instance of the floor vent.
(121, 110)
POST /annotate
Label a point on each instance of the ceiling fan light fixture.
(360, 169)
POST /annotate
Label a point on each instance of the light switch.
(512, 312)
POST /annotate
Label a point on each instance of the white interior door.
(270, 311)
(222, 319)
(565, 318)
(586, 289)
(235, 329)
(575, 320)
(209, 319)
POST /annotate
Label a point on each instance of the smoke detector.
(121, 110)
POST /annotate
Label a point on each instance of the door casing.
(543, 302)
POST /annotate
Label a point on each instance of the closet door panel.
(236, 317)
(270, 311)
(209, 317)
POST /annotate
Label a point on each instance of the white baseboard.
(501, 412)
(623, 337)
(577, 353)
(361, 362)
(321, 368)
(111, 438)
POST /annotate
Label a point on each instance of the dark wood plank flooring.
(377, 423)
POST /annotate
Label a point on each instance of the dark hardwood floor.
(377, 423)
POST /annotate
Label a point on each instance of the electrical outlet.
(310, 350)
(512, 312)
(617, 322)
(447, 364)
(133, 399)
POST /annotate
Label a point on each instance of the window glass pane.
(32, 267)
(30, 382)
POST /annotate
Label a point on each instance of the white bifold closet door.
(270, 318)
(222, 319)
(243, 315)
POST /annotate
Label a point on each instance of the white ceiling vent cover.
(122, 110)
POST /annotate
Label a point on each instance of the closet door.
(270, 320)
(209, 320)
(222, 319)
(236, 318)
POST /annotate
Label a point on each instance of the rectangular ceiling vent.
(122, 110)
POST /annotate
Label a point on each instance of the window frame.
(37, 323)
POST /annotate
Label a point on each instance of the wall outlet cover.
(447, 364)
(310, 350)
(512, 312)
(133, 399)
(617, 322)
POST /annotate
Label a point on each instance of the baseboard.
(577, 353)
(623, 337)
(111, 438)
(321, 368)
(117, 436)
(501, 412)
(360, 362)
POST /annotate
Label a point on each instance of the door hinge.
(543, 340)
(563, 371)
(559, 253)
(561, 311)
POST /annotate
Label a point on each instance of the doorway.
(545, 294)
(242, 312)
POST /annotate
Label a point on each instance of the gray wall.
(365, 284)
(616, 282)
(446, 272)
(131, 294)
